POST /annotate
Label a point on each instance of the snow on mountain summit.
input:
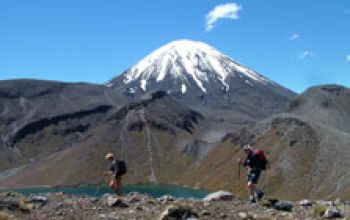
(187, 61)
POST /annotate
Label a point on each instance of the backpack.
(121, 168)
(262, 159)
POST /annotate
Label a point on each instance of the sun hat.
(109, 156)
(247, 147)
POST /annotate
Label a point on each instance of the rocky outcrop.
(40, 124)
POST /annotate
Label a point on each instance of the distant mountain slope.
(162, 141)
(308, 147)
(327, 104)
(156, 136)
(30, 106)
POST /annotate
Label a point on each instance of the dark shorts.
(253, 176)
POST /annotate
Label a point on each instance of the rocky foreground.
(219, 205)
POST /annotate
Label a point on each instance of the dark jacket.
(252, 161)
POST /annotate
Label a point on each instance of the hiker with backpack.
(117, 168)
(255, 162)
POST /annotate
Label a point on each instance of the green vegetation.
(319, 210)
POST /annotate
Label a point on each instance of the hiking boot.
(259, 194)
(252, 199)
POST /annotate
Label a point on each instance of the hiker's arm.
(239, 161)
(108, 173)
(111, 171)
(243, 162)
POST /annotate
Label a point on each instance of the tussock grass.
(319, 210)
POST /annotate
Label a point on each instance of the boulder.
(205, 213)
(166, 198)
(219, 196)
(284, 206)
(305, 203)
(243, 215)
(174, 212)
(113, 201)
(39, 201)
(332, 212)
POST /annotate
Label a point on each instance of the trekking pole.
(239, 171)
(97, 190)
(100, 185)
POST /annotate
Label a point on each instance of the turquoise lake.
(150, 189)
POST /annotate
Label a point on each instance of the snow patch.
(249, 83)
(131, 90)
(183, 88)
(187, 61)
(143, 84)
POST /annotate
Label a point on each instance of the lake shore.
(139, 206)
(154, 190)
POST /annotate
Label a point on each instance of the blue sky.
(297, 43)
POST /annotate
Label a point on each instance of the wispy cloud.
(348, 58)
(347, 11)
(294, 36)
(305, 55)
(224, 11)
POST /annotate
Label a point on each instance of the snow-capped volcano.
(189, 61)
(192, 70)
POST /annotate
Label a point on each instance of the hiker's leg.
(118, 184)
(251, 188)
(253, 177)
(255, 180)
(113, 185)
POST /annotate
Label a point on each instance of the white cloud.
(224, 11)
(305, 55)
(294, 36)
(348, 58)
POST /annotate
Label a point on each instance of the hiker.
(117, 169)
(255, 162)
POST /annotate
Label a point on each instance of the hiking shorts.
(253, 176)
(115, 184)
